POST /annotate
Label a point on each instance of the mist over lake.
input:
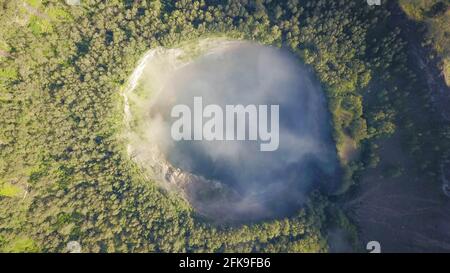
(234, 181)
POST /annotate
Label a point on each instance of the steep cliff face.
(435, 14)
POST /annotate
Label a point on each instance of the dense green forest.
(64, 174)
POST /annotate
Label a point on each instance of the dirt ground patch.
(407, 213)
(405, 210)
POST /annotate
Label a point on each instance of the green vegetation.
(436, 15)
(8, 190)
(21, 244)
(61, 117)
